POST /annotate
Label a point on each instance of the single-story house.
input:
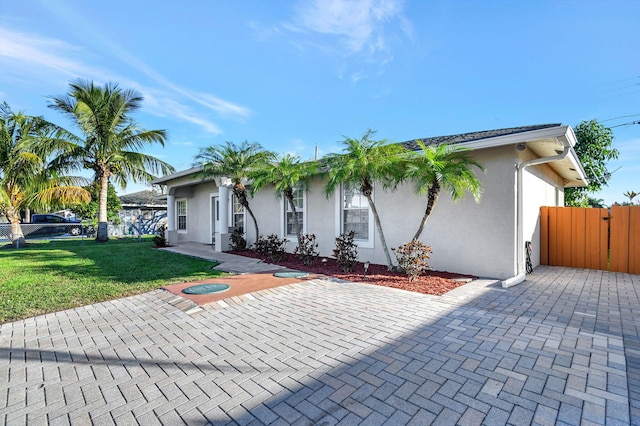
(526, 168)
(142, 212)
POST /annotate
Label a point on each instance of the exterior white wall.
(466, 237)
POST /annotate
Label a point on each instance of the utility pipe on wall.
(521, 274)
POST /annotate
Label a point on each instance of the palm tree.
(631, 195)
(26, 180)
(286, 175)
(110, 139)
(442, 167)
(363, 162)
(236, 163)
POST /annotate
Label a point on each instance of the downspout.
(521, 275)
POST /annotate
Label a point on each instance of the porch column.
(222, 234)
(171, 234)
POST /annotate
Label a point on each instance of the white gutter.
(521, 275)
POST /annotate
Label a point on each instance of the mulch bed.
(431, 282)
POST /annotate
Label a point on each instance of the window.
(237, 215)
(181, 212)
(355, 213)
(298, 201)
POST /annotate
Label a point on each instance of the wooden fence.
(591, 238)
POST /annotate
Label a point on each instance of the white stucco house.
(526, 168)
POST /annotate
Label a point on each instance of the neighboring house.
(526, 168)
(142, 212)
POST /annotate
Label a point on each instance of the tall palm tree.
(236, 163)
(363, 162)
(440, 167)
(26, 180)
(110, 140)
(286, 175)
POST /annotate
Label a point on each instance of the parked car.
(54, 225)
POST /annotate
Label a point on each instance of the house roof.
(543, 140)
(475, 136)
(142, 199)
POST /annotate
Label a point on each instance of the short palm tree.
(236, 163)
(286, 175)
(631, 195)
(109, 140)
(362, 163)
(447, 167)
(26, 180)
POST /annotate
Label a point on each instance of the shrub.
(237, 241)
(307, 250)
(159, 239)
(272, 247)
(346, 251)
(413, 258)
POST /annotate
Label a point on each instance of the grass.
(49, 276)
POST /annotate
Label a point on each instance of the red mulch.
(431, 282)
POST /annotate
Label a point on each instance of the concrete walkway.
(561, 348)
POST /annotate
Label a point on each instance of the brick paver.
(561, 348)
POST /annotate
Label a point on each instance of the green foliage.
(595, 150)
(90, 210)
(413, 258)
(307, 249)
(346, 251)
(363, 162)
(237, 163)
(49, 276)
(271, 247)
(110, 140)
(285, 175)
(442, 167)
(237, 240)
(159, 240)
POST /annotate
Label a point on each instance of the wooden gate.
(591, 238)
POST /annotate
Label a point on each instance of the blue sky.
(293, 75)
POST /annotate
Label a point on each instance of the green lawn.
(48, 276)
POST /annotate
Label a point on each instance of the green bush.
(413, 258)
(346, 251)
(307, 249)
(271, 247)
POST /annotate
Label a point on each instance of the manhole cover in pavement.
(206, 288)
(291, 274)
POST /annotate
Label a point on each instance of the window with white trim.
(355, 213)
(298, 201)
(181, 215)
(237, 214)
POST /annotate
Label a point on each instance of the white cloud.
(359, 25)
(33, 58)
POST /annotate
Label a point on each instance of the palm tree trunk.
(255, 222)
(296, 224)
(17, 237)
(432, 197)
(383, 240)
(103, 234)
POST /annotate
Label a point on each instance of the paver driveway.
(560, 348)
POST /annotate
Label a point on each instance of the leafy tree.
(237, 163)
(442, 167)
(363, 162)
(594, 149)
(595, 202)
(110, 139)
(26, 180)
(90, 210)
(286, 175)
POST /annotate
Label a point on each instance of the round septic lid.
(291, 274)
(206, 288)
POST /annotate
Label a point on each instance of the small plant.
(159, 239)
(237, 241)
(346, 251)
(413, 258)
(307, 250)
(272, 247)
